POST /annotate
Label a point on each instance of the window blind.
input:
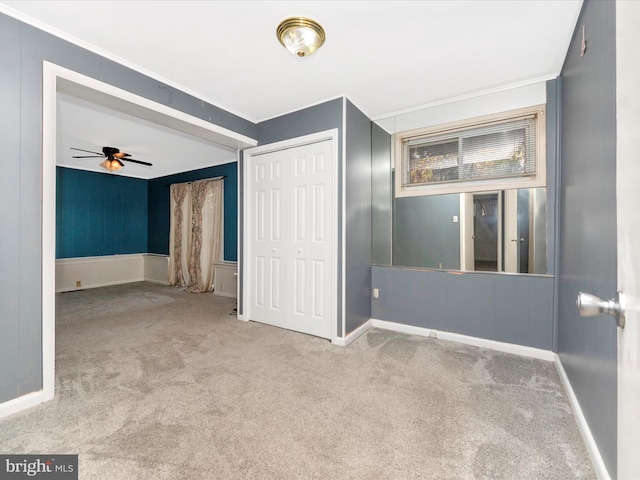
(498, 150)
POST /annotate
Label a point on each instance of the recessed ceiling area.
(89, 126)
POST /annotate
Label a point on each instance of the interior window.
(505, 151)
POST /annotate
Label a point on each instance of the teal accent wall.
(106, 214)
(99, 214)
(159, 211)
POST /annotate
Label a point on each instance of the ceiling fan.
(114, 158)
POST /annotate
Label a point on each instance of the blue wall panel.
(99, 214)
(424, 234)
(10, 216)
(501, 307)
(159, 214)
(381, 196)
(587, 347)
(357, 164)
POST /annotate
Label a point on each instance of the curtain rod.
(189, 183)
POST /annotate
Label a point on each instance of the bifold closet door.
(291, 228)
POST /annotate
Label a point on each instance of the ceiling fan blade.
(118, 160)
(137, 161)
(88, 151)
(89, 156)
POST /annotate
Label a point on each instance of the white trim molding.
(21, 403)
(156, 268)
(225, 279)
(512, 348)
(102, 271)
(344, 341)
(92, 272)
(583, 426)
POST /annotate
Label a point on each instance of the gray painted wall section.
(381, 196)
(22, 51)
(424, 232)
(502, 307)
(318, 118)
(14, 376)
(358, 217)
(588, 346)
(553, 165)
(554, 104)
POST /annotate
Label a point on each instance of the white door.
(290, 232)
(628, 233)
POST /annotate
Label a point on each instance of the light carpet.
(156, 383)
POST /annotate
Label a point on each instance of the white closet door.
(291, 227)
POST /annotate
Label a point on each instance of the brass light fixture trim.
(300, 35)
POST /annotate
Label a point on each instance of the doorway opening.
(503, 231)
(487, 232)
(59, 79)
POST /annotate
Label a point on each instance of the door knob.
(591, 306)
(299, 250)
(517, 240)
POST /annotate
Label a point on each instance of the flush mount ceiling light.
(300, 35)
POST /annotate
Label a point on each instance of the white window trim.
(539, 180)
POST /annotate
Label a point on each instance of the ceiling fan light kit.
(113, 158)
(302, 36)
(111, 165)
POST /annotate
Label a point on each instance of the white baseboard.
(343, 342)
(225, 279)
(512, 348)
(156, 268)
(94, 272)
(21, 403)
(587, 437)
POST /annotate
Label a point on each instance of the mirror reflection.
(496, 231)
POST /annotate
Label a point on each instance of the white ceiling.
(387, 57)
(85, 125)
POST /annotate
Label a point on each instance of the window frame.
(473, 185)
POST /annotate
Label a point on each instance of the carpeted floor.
(155, 383)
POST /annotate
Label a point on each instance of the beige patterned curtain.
(179, 235)
(201, 235)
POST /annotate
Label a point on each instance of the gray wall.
(587, 346)
(502, 307)
(381, 196)
(510, 308)
(424, 232)
(318, 118)
(358, 217)
(22, 50)
(553, 168)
